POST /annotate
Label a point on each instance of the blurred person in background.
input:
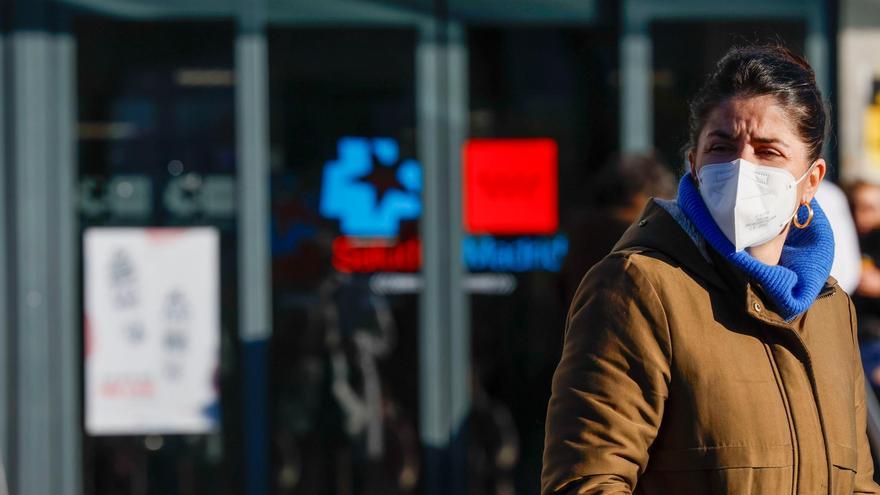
(619, 193)
(865, 202)
(711, 352)
(865, 198)
(847, 266)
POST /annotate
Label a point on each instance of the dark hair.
(623, 177)
(765, 70)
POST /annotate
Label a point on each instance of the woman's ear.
(814, 178)
(690, 163)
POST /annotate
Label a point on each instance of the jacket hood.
(657, 230)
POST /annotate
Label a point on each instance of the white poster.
(152, 330)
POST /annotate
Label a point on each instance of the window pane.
(156, 148)
(528, 86)
(345, 207)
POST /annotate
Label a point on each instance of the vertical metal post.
(255, 321)
(63, 203)
(459, 307)
(636, 89)
(817, 52)
(444, 336)
(5, 165)
(35, 365)
(5, 266)
(816, 45)
(44, 384)
(434, 421)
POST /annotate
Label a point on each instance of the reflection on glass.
(533, 91)
(156, 148)
(346, 198)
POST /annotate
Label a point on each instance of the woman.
(711, 352)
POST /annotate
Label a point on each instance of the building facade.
(389, 300)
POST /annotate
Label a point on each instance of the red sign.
(511, 186)
(352, 255)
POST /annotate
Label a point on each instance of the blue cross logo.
(369, 189)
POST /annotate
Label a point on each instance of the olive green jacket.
(678, 377)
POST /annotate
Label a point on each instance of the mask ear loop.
(695, 177)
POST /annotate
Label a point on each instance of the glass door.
(156, 149)
(543, 121)
(346, 254)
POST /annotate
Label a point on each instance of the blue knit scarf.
(803, 268)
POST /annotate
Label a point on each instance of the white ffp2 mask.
(750, 203)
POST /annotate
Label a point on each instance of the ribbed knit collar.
(803, 268)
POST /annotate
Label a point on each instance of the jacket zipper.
(786, 404)
(808, 368)
(830, 291)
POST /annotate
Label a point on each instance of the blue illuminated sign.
(369, 189)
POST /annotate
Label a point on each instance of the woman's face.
(756, 129)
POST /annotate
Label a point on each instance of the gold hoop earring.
(809, 216)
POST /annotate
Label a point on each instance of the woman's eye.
(719, 147)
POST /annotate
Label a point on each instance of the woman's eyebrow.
(721, 134)
(767, 140)
(758, 139)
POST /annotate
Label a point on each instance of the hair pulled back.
(765, 70)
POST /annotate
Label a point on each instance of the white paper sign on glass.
(152, 330)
